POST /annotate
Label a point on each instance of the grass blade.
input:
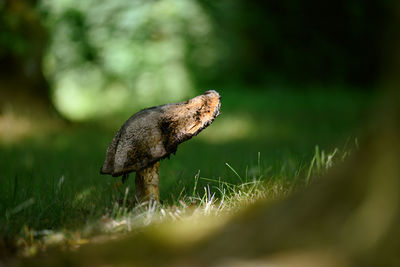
(233, 170)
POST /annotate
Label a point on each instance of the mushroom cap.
(154, 133)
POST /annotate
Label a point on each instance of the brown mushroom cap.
(154, 133)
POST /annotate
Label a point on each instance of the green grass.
(262, 146)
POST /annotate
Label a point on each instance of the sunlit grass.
(51, 191)
(18, 123)
(229, 128)
(13, 127)
(205, 209)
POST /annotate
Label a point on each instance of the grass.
(262, 146)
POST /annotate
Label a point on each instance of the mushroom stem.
(147, 184)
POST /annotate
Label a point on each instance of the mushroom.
(153, 134)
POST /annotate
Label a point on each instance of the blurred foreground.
(296, 80)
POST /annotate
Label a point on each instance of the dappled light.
(240, 127)
(229, 128)
(83, 196)
(12, 127)
(132, 55)
(288, 156)
(16, 126)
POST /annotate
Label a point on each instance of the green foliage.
(22, 41)
(123, 53)
(105, 57)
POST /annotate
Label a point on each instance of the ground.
(260, 146)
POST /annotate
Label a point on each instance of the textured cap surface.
(154, 133)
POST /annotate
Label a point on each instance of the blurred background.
(292, 75)
(94, 58)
